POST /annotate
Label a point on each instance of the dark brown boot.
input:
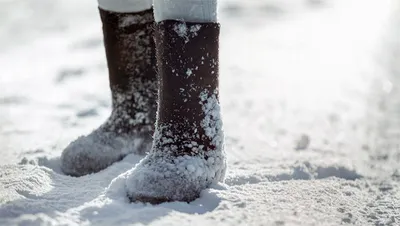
(130, 51)
(188, 149)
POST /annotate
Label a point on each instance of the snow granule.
(128, 20)
(212, 122)
(189, 72)
(187, 32)
(181, 29)
(302, 143)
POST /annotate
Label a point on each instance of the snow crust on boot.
(188, 148)
(162, 176)
(130, 51)
(98, 150)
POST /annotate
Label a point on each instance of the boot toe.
(155, 187)
(87, 155)
(95, 152)
(156, 180)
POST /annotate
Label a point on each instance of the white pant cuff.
(125, 6)
(186, 10)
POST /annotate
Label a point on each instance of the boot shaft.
(188, 110)
(130, 48)
(130, 52)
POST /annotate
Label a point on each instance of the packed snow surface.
(311, 105)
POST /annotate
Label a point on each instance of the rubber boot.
(188, 148)
(130, 51)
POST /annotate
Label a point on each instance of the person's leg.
(188, 147)
(128, 27)
(125, 6)
(186, 10)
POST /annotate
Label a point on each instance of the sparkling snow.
(311, 116)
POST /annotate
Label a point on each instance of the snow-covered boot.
(130, 51)
(188, 148)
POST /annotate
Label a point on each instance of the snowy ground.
(311, 98)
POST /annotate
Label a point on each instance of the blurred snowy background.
(311, 96)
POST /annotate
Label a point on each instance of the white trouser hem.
(186, 10)
(125, 6)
